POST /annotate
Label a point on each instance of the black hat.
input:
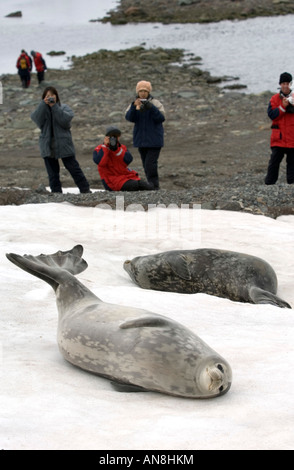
(111, 130)
(285, 77)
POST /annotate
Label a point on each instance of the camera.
(143, 103)
(51, 100)
(113, 142)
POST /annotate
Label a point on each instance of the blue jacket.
(148, 128)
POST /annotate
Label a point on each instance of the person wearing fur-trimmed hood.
(147, 114)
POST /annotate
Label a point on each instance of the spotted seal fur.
(136, 349)
(236, 276)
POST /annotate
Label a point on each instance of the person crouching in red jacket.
(113, 159)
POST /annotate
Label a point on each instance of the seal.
(136, 349)
(236, 276)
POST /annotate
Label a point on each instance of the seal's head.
(213, 377)
(138, 269)
(151, 271)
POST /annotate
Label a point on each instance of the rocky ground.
(200, 11)
(216, 136)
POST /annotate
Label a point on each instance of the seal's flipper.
(149, 322)
(179, 265)
(260, 296)
(127, 388)
(70, 260)
(49, 267)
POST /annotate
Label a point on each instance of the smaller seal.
(229, 274)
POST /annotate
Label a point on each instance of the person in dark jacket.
(24, 67)
(54, 120)
(148, 115)
(40, 65)
(281, 112)
(113, 159)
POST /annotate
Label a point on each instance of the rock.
(23, 124)
(134, 11)
(188, 2)
(53, 53)
(187, 94)
(116, 114)
(16, 14)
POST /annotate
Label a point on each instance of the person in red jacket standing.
(113, 159)
(40, 65)
(281, 112)
(23, 66)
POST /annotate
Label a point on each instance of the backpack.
(23, 63)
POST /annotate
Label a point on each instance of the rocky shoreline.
(251, 198)
(216, 137)
(195, 11)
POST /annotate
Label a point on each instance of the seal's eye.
(221, 389)
(220, 367)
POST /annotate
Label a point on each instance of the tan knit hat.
(143, 86)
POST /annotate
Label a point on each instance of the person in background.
(281, 112)
(54, 120)
(40, 65)
(148, 115)
(24, 67)
(113, 159)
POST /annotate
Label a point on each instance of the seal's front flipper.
(260, 296)
(148, 322)
(127, 388)
(180, 266)
(49, 268)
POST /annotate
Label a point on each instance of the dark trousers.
(134, 185)
(25, 78)
(40, 76)
(277, 156)
(73, 167)
(149, 157)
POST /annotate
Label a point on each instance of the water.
(256, 50)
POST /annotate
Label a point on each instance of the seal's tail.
(51, 268)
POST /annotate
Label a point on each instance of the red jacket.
(23, 62)
(39, 62)
(283, 123)
(113, 166)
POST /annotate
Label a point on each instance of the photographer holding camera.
(281, 112)
(147, 114)
(113, 159)
(54, 120)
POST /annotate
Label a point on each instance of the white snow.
(48, 404)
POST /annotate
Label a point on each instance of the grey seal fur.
(236, 276)
(136, 349)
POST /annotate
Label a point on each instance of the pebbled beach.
(216, 136)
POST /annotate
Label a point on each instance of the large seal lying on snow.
(137, 349)
(236, 276)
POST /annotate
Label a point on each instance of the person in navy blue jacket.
(148, 115)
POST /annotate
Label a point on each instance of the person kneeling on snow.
(113, 159)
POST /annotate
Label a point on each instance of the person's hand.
(285, 102)
(137, 103)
